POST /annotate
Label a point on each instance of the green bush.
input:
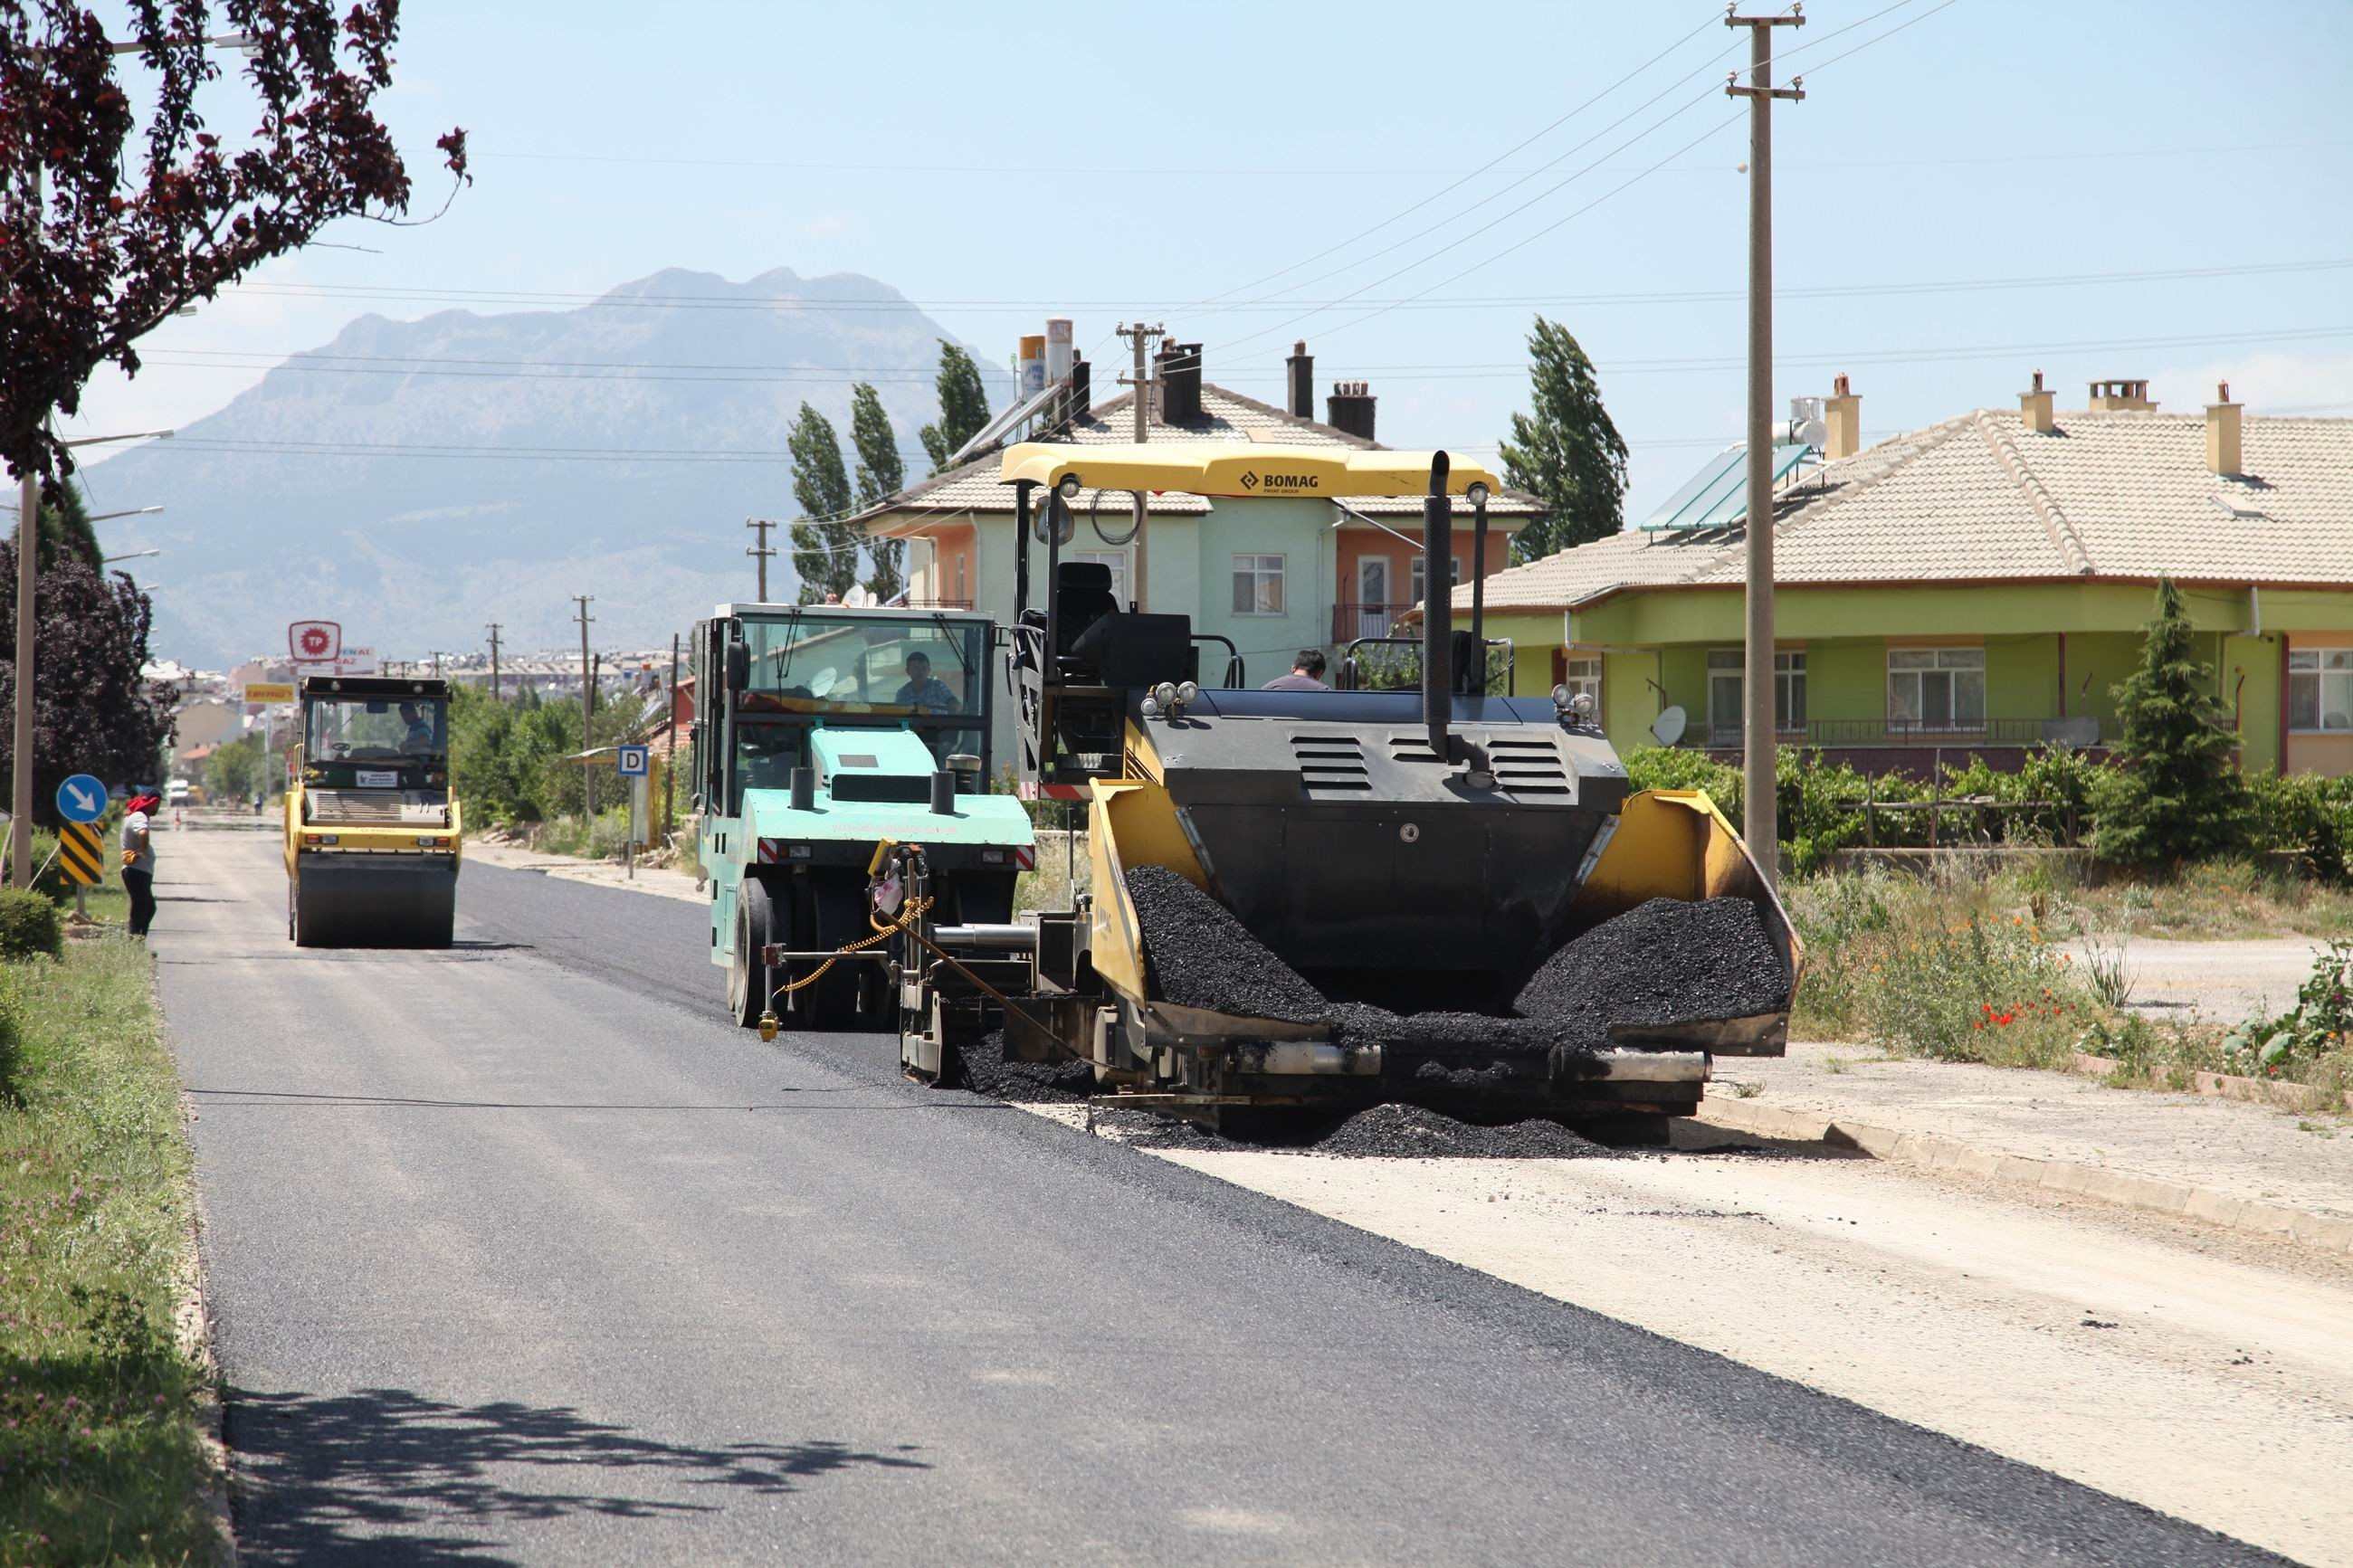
(2306, 819)
(28, 925)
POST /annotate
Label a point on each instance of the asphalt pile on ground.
(987, 1072)
(1669, 961)
(1409, 1131)
(1202, 956)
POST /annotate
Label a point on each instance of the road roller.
(372, 834)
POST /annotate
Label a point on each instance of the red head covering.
(142, 803)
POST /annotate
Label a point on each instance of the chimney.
(2034, 408)
(1842, 412)
(1301, 368)
(1083, 393)
(2223, 432)
(1180, 382)
(2120, 397)
(1350, 408)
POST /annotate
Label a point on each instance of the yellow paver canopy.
(1237, 469)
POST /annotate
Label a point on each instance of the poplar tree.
(964, 405)
(881, 473)
(1564, 451)
(825, 551)
(2176, 792)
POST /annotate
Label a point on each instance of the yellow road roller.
(372, 838)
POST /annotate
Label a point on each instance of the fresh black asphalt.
(520, 1253)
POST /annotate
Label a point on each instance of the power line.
(1482, 168)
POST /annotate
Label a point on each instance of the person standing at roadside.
(139, 862)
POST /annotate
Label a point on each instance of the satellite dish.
(859, 599)
(823, 681)
(1669, 726)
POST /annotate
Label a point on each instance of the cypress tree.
(825, 554)
(880, 472)
(2176, 792)
(964, 405)
(1566, 451)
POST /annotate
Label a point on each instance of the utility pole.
(494, 661)
(1138, 336)
(670, 773)
(763, 551)
(437, 662)
(1760, 739)
(587, 711)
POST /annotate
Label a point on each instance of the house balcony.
(1351, 621)
(1827, 732)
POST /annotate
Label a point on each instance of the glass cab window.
(375, 729)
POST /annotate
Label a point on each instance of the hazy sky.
(1186, 162)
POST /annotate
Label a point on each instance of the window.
(1726, 670)
(2320, 689)
(1419, 571)
(1258, 585)
(1114, 559)
(1581, 673)
(1936, 688)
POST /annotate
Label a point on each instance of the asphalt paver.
(520, 1252)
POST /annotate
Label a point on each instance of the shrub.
(2320, 1022)
(2305, 818)
(1951, 976)
(28, 925)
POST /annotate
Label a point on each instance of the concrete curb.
(2118, 1187)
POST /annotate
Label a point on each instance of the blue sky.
(1161, 161)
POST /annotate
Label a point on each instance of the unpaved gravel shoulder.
(654, 879)
(2243, 1150)
(2196, 1376)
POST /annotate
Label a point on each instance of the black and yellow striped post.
(81, 856)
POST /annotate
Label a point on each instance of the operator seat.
(1082, 596)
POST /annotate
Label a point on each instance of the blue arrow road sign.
(631, 760)
(82, 798)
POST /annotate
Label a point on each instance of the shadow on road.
(385, 1475)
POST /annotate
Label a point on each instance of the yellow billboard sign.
(269, 691)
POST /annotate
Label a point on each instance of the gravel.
(1408, 1131)
(1668, 961)
(1202, 956)
(985, 1071)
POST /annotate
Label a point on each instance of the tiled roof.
(1983, 498)
(1226, 417)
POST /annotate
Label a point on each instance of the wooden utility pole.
(1760, 736)
(587, 711)
(494, 661)
(761, 552)
(1138, 336)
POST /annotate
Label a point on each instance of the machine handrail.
(1237, 673)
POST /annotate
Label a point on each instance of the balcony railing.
(1350, 621)
(1927, 733)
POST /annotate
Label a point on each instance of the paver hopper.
(373, 836)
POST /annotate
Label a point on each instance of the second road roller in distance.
(372, 834)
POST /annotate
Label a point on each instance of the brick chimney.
(1350, 408)
(1300, 372)
(2223, 432)
(2034, 408)
(2120, 397)
(1842, 412)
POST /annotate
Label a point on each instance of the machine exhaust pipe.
(1437, 607)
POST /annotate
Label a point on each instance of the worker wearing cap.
(139, 861)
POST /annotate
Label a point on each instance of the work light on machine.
(1476, 493)
(1069, 486)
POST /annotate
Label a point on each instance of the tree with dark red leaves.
(123, 237)
(92, 711)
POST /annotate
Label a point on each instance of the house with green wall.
(1979, 586)
(1272, 575)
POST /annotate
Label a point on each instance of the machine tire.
(837, 914)
(301, 924)
(749, 982)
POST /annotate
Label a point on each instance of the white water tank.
(1058, 350)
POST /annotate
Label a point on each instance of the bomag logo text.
(1293, 482)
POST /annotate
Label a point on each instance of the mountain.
(416, 479)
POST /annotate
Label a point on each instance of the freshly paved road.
(519, 1254)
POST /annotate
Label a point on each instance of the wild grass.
(101, 1460)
